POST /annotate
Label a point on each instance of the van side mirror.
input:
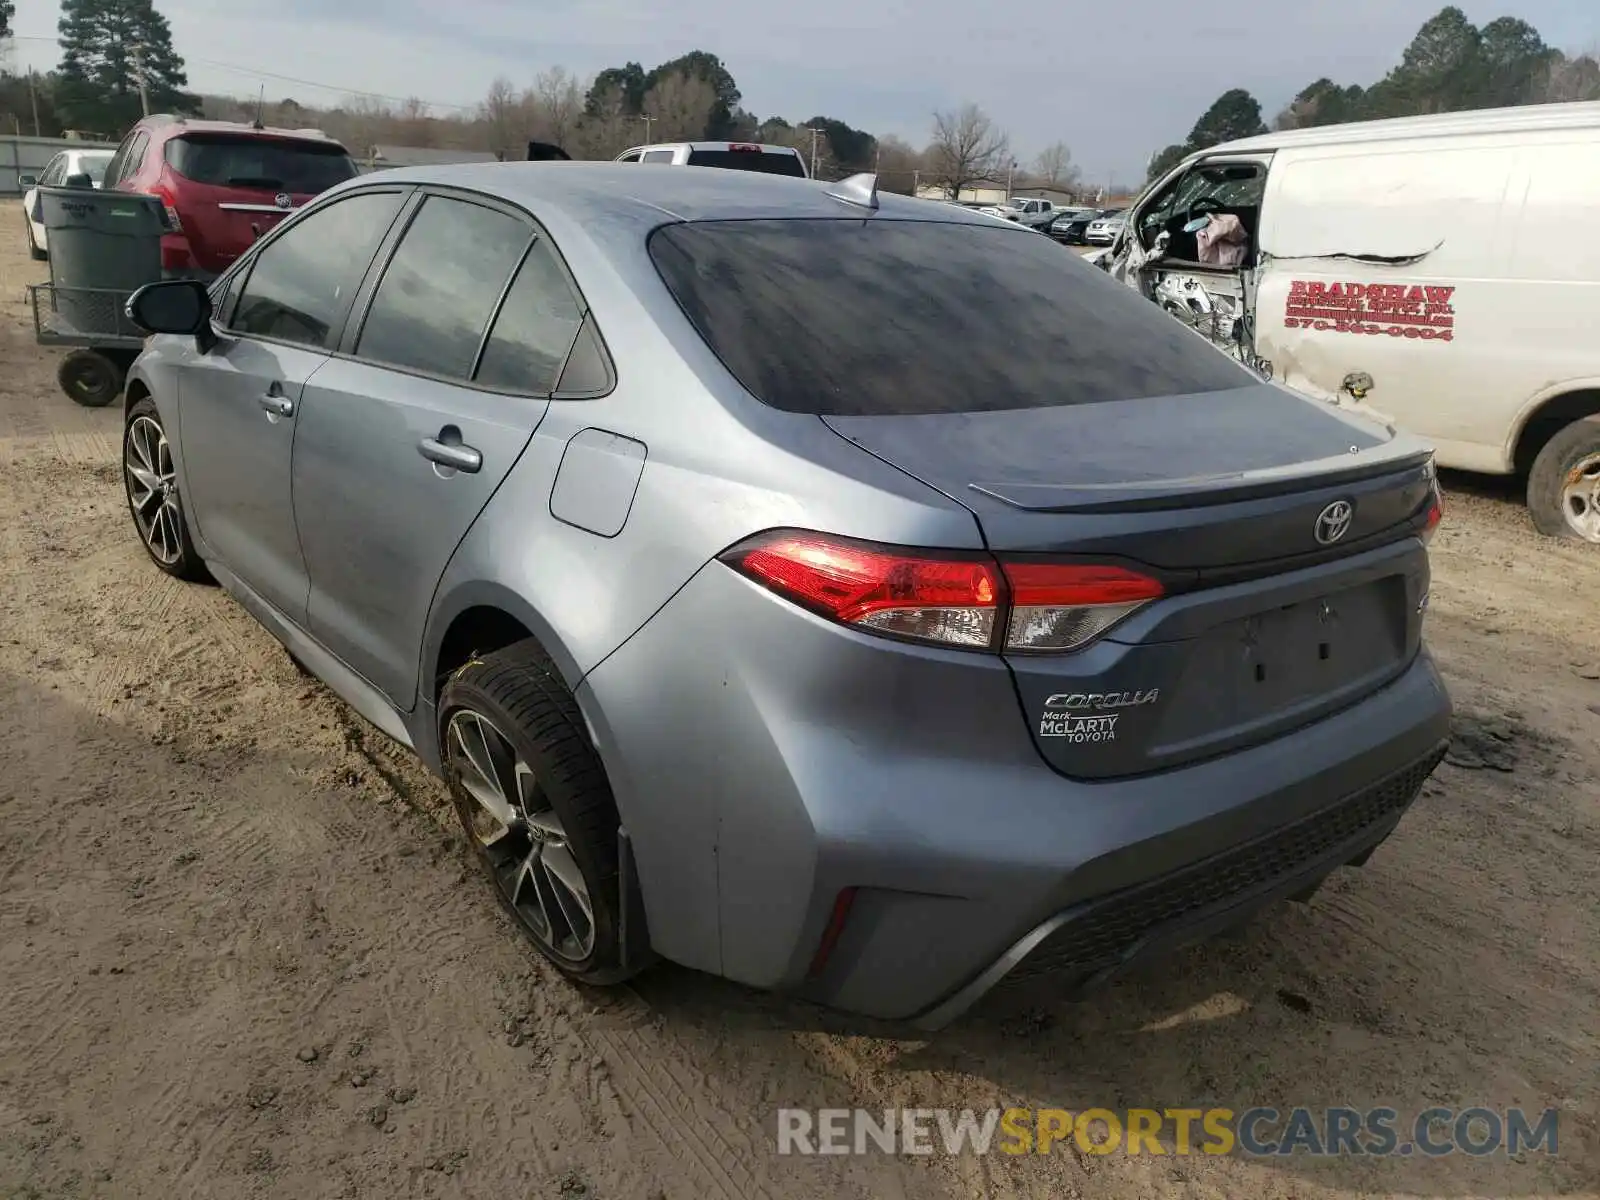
(175, 306)
(27, 181)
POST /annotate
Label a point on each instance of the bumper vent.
(1111, 929)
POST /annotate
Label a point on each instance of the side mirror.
(27, 181)
(176, 306)
(80, 180)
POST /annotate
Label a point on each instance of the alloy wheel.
(153, 489)
(518, 832)
(1580, 498)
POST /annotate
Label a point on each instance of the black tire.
(90, 378)
(1573, 455)
(34, 252)
(519, 692)
(184, 562)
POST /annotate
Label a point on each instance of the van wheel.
(1564, 484)
(90, 378)
(536, 806)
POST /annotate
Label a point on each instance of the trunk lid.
(1264, 624)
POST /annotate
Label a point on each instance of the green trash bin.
(103, 246)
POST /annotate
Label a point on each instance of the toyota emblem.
(1333, 522)
(283, 200)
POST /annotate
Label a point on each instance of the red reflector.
(1059, 585)
(832, 930)
(742, 147)
(1435, 515)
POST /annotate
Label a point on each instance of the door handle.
(462, 458)
(277, 405)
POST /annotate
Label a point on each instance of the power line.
(257, 73)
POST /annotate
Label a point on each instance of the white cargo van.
(1440, 273)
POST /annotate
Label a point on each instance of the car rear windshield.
(268, 164)
(95, 168)
(749, 160)
(884, 317)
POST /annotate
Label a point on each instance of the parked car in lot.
(771, 607)
(736, 156)
(1410, 270)
(1103, 230)
(1034, 213)
(56, 172)
(223, 184)
(1070, 225)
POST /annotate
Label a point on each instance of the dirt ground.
(241, 953)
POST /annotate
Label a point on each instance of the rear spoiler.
(547, 152)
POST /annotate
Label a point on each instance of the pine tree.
(106, 46)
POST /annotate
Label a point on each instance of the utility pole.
(138, 73)
(1011, 173)
(648, 121)
(814, 131)
(33, 96)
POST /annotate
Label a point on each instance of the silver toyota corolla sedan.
(839, 593)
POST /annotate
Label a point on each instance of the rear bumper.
(1091, 944)
(764, 760)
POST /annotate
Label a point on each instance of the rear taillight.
(1062, 606)
(174, 225)
(963, 600)
(1435, 515)
(953, 600)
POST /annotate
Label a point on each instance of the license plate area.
(1283, 659)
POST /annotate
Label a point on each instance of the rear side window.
(749, 160)
(267, 164)
(440, 288)
(535, 328)
(657, 156)
(882, 317)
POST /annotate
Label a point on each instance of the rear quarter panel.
(1447, 334)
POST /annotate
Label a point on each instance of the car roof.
(602, 197)
(177, 125)
(1530, 118)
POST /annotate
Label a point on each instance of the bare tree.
(799, 138)
(1570, 77)
(414, 125)
(899, 166)
(502, 116)
(555, 102)
(966, 148)
(1054, 167)
(680, 105)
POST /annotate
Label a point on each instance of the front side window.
(658, 156)
(52, 175)
(440, 288)
(878, 318)
(535, 328)
(302, 281)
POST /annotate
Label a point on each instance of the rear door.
(236, 187)
(403, 441)
(239, 404)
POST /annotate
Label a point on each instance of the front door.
(239, 404)
(401, 446)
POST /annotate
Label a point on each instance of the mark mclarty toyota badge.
(1089, 716)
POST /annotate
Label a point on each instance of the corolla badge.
(1333, 522)
(283, 200)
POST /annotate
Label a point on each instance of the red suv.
(223, 184)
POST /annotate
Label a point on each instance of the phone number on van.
(1374, 309)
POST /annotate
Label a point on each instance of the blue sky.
(1113, 81)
